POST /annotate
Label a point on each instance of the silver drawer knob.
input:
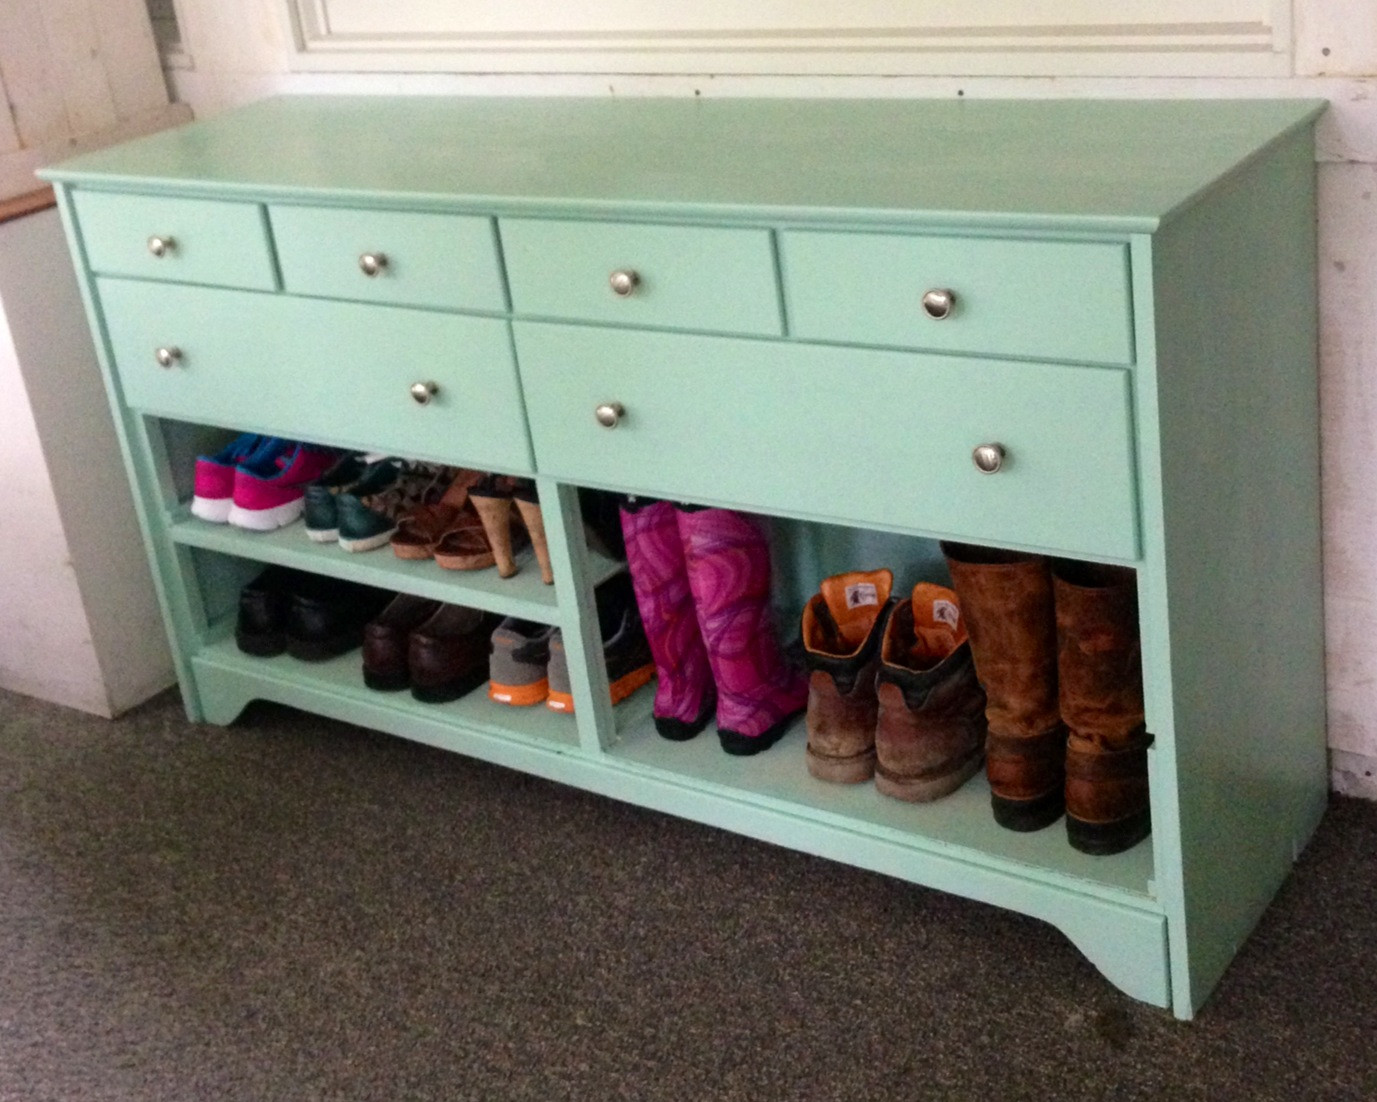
(370, 264)
(624, 282)
(161, 246)
(169, 356)
(989, 458)
(609, 414)
(422, 393)
(939, 303)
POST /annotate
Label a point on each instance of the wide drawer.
(398, 257)
(873, 437)
(332, 372)
(184, 240)
(678, 277)
(1054, 300)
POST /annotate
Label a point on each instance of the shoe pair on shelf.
(257, 482)
(359, 501)
(309, 616)
(481, 520)
(439, 651)
(702, 583)
(892, 690)
(528, 664)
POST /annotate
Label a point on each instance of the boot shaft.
(1006, 599)
(1099, 655)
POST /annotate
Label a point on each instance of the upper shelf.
(1106, 166)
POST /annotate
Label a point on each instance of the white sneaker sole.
(368, 543)
(266, 520)
(322, 535)
(214, 509)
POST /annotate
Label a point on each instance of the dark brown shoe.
(386, 640)
(447, 655)
(842, 626)
(1006, 599)
(930, 734)
(1100, 671)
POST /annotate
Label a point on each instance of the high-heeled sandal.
(492, 498)
(528, 505)
(422, 527)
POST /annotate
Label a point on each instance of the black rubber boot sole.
(1103, 839)
(681, 730)
(743, 746)
(1029, 815)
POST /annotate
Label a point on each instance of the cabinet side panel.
(1234, 571)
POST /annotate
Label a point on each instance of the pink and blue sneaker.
(213, 495)
(270, 485)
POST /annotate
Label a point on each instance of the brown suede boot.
(1006, 599)
(930, 735)
(1100, 668)
(842, 625)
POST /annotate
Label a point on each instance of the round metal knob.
(161, 246)
(424, 392)
(624, 282)
(989, 458)
(372, 263)
(169, 356)
(939, 303)
(609, 414)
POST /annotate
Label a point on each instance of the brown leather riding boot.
(930, 735)
(1006, 599)
(1100, 670)
(842, 625)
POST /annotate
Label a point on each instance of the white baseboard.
(1353, 774)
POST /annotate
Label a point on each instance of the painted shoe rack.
(813, 310)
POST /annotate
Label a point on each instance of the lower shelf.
(961, 822)
(225, 674)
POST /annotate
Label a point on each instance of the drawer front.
(686, 277)
(440, 260)
(1054, 300)
(206, 240)
(330, 372)
(867, 436)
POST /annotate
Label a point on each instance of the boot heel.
(1028, 815)
(495, 511)
(529, 508)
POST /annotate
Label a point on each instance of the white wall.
(239, 51)
(79, 621)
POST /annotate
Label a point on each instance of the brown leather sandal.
(421, 528)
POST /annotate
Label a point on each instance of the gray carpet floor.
(293, 908)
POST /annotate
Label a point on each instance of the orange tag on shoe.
(938, 628)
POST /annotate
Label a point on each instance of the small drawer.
(677, 277)
(183, 240)
(1054, 300)
(872, 437)
(311, 369)
(396, 257)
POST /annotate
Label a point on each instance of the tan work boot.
(1006, 599)
(1100, 672)
(930, 734)
(842, 625)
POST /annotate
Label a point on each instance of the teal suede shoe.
(320, 515)
(369, 510)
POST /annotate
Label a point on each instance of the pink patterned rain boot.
(684, 694)
(729, 572)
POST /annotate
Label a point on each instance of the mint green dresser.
(822, 311)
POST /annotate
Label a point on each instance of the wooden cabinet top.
(1090, 165)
